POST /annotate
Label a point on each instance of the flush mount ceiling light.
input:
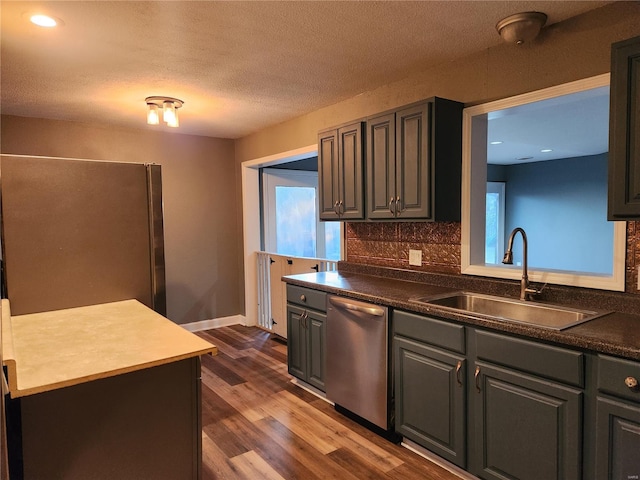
(169, 106)
(42, 20)
(521, 27)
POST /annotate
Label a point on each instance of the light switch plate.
(415, 257)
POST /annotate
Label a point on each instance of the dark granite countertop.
(616, 333)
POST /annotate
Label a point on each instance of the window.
(549, 149)
(494, 240)
(290, 216)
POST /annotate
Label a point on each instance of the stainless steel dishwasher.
(358, 372)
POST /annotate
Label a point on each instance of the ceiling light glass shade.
(168, 111)
(43, 20)
(174, 122)
(153, 115)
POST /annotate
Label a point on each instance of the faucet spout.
(526, 293)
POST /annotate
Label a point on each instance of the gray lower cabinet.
(431, 412)
(500, 406)
(430, 384)
(306, 344)
(526, 407)
(525, 428)
(144, 424)
(617, 419)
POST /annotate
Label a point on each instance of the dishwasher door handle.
(356, 307)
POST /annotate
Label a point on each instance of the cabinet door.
(430, 398)
(381, 170)
(317, 349)
(617, 439)
(624, 131)
(524, 428)
(296, 342)
(328, 171)
(413, 172)
(350, 164)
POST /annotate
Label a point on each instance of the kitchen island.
(103, 391)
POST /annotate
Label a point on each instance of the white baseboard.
(432, 457)
(311, 389)
(215, 323)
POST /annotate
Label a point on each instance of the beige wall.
(199, 185)
(570, 50)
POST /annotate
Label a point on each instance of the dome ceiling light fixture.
(42, 19)
(521, 27)
(169, 106)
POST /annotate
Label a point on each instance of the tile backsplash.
(387, 244)
(633, 257)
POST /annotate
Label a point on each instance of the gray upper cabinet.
(381, 166)
(340, 173)
(414, 162)
(624, 133)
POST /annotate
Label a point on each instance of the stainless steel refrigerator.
(80, 232)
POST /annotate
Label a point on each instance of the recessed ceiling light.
(495, 143)
(45, 20)
(546, 150)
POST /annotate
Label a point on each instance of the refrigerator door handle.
(156, 238)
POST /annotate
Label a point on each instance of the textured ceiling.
(239, 66)
(573, 125)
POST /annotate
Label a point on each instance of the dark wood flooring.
(257, 424)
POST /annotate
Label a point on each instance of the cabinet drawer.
(555, 363)
(613, 374)
(429, 330)
(307, 297)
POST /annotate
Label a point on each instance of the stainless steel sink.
(540, 314)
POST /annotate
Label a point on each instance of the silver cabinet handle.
(398, 206)
(631, 382)
(303, 319)
(391, 209)
(303, 298)
(340, 207)
(458, 368)
(477, 377)
(335, 208)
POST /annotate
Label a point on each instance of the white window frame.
(499, 188)
(474, 178)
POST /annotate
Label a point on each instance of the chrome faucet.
(526, 292)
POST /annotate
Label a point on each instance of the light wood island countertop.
(56, 349)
